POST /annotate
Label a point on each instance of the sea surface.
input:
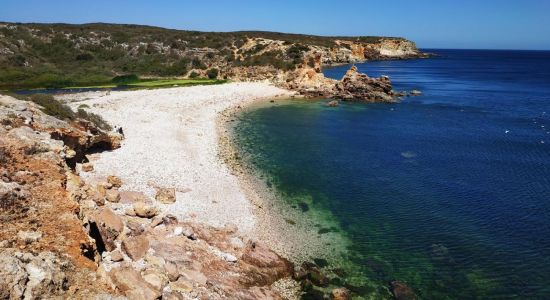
(448, 192)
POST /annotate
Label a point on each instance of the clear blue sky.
(494, 24)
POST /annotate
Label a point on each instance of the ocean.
(448, 192)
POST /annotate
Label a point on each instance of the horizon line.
(269, 31)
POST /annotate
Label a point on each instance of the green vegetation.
(54, 108)
(125, 79)
(63, 55)
(212, 73)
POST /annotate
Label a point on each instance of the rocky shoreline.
(126, 241)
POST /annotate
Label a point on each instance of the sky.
(481, 24)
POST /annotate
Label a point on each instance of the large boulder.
(136, 246)
(266, 265)
(109, 226)
(130, 283)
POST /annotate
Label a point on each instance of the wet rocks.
(415, 93)
(401, 291)
(333, 103)
(166, 195)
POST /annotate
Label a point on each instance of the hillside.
(54, 55)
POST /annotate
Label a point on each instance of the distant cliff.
(53, 55)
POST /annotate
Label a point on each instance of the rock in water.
(333, 103)
(401, 291)
(415, 93)
(340, 294)
(166, 195)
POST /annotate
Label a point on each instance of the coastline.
(249, 203)
(286, 229)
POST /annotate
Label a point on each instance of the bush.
(52, 107)
(193, 75)
(212, 73)
(125, 79)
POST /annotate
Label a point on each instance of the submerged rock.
(401, 291)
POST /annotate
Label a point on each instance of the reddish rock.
(130, 197)
(401, 291)
(129, 282)
(112, 196)
(109, 225)
(267, 266)
(135, 247)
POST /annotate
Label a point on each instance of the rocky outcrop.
(354, 86)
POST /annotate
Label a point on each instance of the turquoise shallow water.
(449, 191)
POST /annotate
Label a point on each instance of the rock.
(130, 197)
(166, 195)
(415, 93)
(116, 256)
(156, 221)
(109, 226)
(129, 282)
(112, 196)
(87, 167)
(144, 210)
(114, 180)
(181, 285)
(156, 279)
(401, 291)
(135, 227)
(13, 277)
(135, 247)
(333, 103)
(29, 237)
(169, 220)
(340, 294)
(269, 266)
(130, 212)
(228, 257)
(171, 270)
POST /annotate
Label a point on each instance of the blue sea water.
(448, 192)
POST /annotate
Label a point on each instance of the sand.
(171, 141)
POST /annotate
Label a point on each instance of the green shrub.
(82, 106)
(198, 64)
(212, 73)
(193, 75)
(125, 79)
(52, 107)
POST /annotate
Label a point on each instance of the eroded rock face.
(28, 276)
